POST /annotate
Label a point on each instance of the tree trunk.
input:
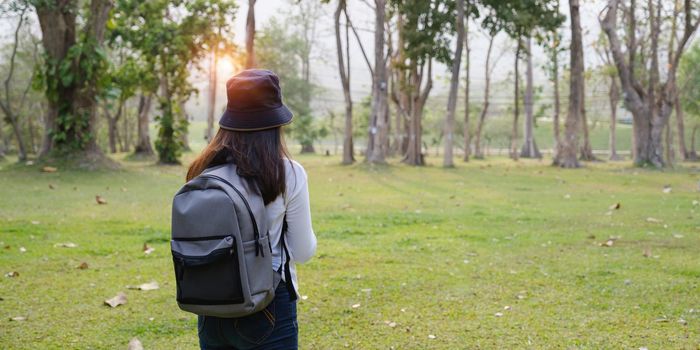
(126, 144)
(448, 162)
(681, 130)
(112, 130)
(516, 108)
(377, 132)
(143, 146)
(348, 156)
(3, 142)
(376, 151)
(6, 106)
(467, 66)
(184, 136)
(651, 105)
(586, 148)
(614, 95)
(72, 107)
(113, 126)
(566, 156)
(21, 148)
(693, 155)
(414, 154)
(670, 152)
(529, 149)
(211, 108)
(250, 36)
(484, 110)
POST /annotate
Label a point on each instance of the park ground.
(492, 254)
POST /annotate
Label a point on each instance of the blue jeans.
(275, 327)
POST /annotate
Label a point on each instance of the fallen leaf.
(506, 307)
(676, 235)
(355, 306)
(124, 189)
(49, 169)
(83, 266)
(654, 220)
(608, 243)
(498, 314)
(135, 344)
(34, 222)
(18, 318)
(647, 252)
(153, 285)
(52, 187)
(615, 206)
(148, 249)
(100, 200)
(119, 299)
(392, 324)
(12, 274)
(66, 245)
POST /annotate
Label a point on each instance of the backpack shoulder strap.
(287, 270)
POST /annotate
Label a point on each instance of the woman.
(250, 136)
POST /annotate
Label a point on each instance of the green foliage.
(520, 18)
(281, 51)
(84, 67)
(427, 29)
(172, 37)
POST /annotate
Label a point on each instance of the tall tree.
(378, 131)
(467, 67)
(448, 162)
(609, 73)
(529, 149)
(424, 27)
(521, 20)
(171, 37)
(566, 154)
(344, 69)
(516, 100)
(72, 73)
(250, 35)
(211, 104)
(650, 99)
(10, 104)
(689, 94)
(553, 47)
(488, 71)
(143, 144)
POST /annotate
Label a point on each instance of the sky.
(325, 68)
(324, 61)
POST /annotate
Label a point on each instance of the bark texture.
(454, 84)
(566, 155)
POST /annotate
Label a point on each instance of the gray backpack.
(221, 247)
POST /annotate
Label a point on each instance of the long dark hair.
(258, 155)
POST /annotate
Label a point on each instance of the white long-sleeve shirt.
(300, 238)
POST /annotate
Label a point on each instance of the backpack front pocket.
(207, 270)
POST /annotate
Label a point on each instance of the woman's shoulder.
(295, 172)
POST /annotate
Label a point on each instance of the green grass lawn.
(489, 255)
